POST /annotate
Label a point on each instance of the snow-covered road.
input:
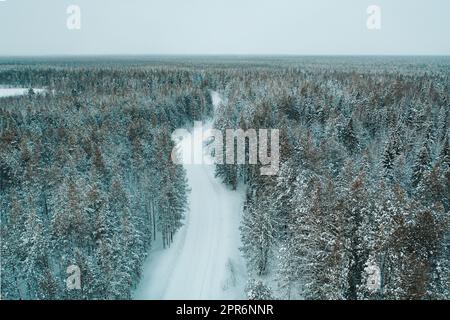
(204, 261)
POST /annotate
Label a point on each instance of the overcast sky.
(38, 27)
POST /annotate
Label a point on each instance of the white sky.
(38, 27)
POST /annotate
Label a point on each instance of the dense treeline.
(86, 177)
(364, 183)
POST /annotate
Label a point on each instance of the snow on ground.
(10, 92)
(204, 261)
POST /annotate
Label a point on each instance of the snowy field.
(204, 261)
(10, 92)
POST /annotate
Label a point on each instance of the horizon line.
(119, 55)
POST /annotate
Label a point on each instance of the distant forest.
(86, 176)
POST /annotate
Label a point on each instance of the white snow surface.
(204, 261)
(10, 92)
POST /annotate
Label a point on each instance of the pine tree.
(391, 151)
(421, 165)
(36, 265)
(257, 290)
(258, 231)
(349, 138)
(13, 251)
(356, 216)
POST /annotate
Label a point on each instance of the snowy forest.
(87, 179)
